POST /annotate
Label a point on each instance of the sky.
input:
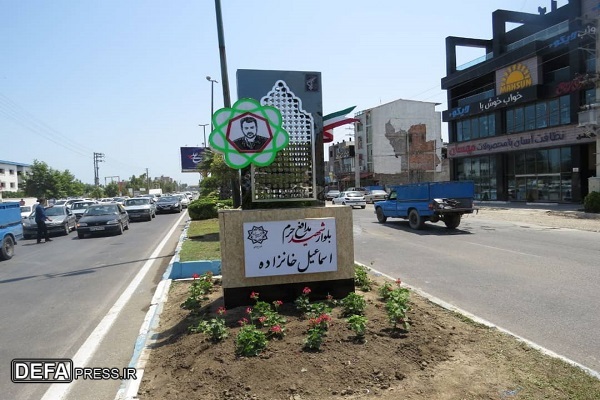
(129, 78)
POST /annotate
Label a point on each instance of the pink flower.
(306, 291)
(254, 295)
(243, 321)
(276, 329)
(195, 275)
(277, 303)
(249, 310)
(329, 297)
(221, 311)
(262, 319)
(398, 281)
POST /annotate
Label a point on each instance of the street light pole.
(204, 126)
(212, 100)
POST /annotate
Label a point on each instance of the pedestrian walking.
(40, 220)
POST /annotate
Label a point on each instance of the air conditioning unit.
(588, 117)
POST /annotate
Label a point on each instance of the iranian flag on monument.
(334, 120)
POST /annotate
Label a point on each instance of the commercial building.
(394, 143)
(522, 119)
(11, 175)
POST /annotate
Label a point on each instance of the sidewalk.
(569, 216)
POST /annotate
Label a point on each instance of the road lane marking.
(505, 250)
(59, 391)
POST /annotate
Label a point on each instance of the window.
(475, 128)
(519, 119)
(530, 117)
(541, 119)
(12, 185)
(565, 110)
(554, 116)
(467, 130)
(481, 170)
(539, 115)
(483, 126)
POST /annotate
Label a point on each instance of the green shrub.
(207, 208)
(361, 278)
(591, 203)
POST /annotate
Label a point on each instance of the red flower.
(221, 311)
(277, 303)
(276, 329)
(262, 319)
(398, 281)
(195, 275)
(243, 321)
(324, 318)
(254, 295)
(249, 310)
(306, 291)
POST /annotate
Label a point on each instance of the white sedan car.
(352, 199)
(376, 195)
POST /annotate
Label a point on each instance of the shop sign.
(517, 76)
(491, 104)
(533, 140)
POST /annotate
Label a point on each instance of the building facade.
(399, 142)
(339, 170)
(522, 119)
(12, 174)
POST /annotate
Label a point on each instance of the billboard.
(190, 158)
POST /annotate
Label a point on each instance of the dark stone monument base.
(288, 292)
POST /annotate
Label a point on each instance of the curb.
(487, 323)
(147, 335)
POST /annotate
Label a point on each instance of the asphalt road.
(53, 295)
(539, 283)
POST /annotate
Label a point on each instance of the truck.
(11, 228)
(428, 201)
(155, 192)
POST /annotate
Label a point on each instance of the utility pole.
(204, 126)
(235, 182)
(98, 157)
(147, 182)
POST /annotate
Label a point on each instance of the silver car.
(142, 208)
(61, 220)
(375, 195)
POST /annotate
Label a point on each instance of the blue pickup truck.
(11, 228)
(428, 201)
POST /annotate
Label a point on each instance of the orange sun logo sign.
(515, 77)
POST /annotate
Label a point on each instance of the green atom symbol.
(248, 133)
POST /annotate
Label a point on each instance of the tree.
(44, 181)
(214, 164)
(112, 189)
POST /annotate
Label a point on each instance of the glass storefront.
(482, 171)
(537, 175)
(540, 175)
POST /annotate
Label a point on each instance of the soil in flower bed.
(442, 356)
